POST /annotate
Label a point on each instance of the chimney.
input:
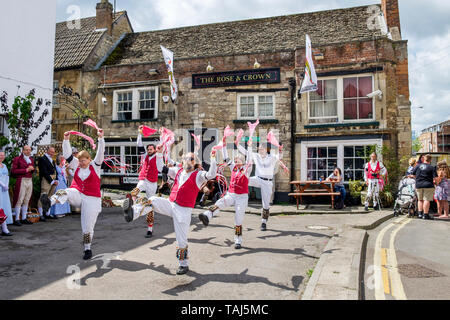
(392, 16)
(104, 18)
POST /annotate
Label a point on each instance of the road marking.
(385, 271)
(397, 287)
(378, 277)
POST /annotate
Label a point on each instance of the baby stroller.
(406, 202)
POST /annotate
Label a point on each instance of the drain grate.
(418, 271)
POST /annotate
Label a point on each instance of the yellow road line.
(397, 287)
(385, 271)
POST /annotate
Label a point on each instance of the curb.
(348, 244)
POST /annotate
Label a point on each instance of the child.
(442, 192)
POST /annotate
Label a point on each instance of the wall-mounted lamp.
(209, 68)
(256, 65)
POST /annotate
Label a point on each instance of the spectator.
(5, 203)
(424, 174)
(442, 193)
(339, 186)
(22, 169)
(60, 209)
(412, 164)
(47, 177)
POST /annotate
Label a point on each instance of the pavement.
(302, 255)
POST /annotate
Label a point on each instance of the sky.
(425, 24)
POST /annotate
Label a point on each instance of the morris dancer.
(265, 168)
(85, 189)
(152, 164)
(373, 171)
(188, 181)
(237, 195)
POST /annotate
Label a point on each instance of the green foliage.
(416, 145)
(3, 141)
(355, 187)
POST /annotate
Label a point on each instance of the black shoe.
(42, 219)
(17, 223)
(52, 217)
(45, 201)
(4, 234)
(237, 246)
(182, 270)
(366, 208)
(87, 254)
(25, 222)
(420, 216)
(263, 227)
(127, 207)
(149, 234)
(427, 217)
(204, 218)
(377, 207)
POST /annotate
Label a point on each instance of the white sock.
(17, 212)
(40, 211)
(264, 220)
(209, 214)
(238, 239)
(24, 212)
(5, 227)
(87, 246)
(150, 228)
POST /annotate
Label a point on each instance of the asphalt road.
(44, 261)
(408, 259)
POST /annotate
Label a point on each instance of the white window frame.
(2, 125)
(256, 99)
(55, 104)
(340, 156)
(337, 99)
(135, 102)
(340, 99)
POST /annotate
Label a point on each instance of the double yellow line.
(387, 278)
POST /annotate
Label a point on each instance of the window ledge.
(262, 121)
(134, 120)
(337, 125)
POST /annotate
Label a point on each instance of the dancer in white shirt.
(85, 189)
(187, 183)
(265, 164)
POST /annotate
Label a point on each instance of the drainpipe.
(293, 85)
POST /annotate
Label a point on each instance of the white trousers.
(373, 192)
(90, 209)
(150, 190)
(181, 217)
(240, 203)
(266, 190)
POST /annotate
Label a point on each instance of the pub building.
(234, 72)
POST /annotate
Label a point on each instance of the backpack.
(339, 205)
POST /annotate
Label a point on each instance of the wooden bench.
(303, 189)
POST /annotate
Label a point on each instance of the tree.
(20, 119)
(417, 145)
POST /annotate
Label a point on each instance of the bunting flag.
(168, 59)
(147, 131)
(91, 141)
(310, 79)
(91, 123)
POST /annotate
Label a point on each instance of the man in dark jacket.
(424, 174)
(47, 176)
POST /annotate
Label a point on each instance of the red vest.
(186, 195)
(90, 186)
(374, 174)
(238, 182)
(149, 170)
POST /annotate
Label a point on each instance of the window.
(342, 99)
(256, 106)
(135, 104)
(354, 161)
(133, 159)
(2, 125)
(125, 105)
(147, 104)
(356, 104)
(55, 94)
(112, 152)
(321, 162)
(323, 103)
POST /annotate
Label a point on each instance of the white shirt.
(264, 167)
(27, 159)
(231, 164)
(202, 176)
(96, 163)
